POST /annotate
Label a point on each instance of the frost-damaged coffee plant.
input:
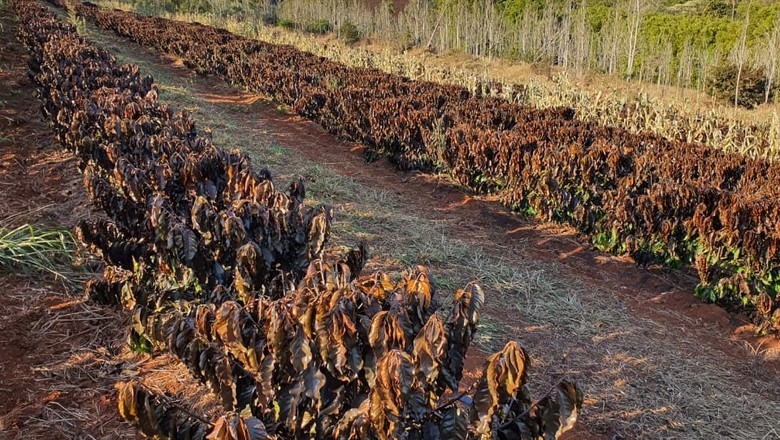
(660, 200)
(234, 279)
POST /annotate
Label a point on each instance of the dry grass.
(642, 378)
(80, 353)
(39, 205)
(60, 355)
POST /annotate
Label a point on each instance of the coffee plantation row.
(235, 279)
(658, 200)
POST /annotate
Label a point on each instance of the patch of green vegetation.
(321, 26)
(349, 33)
(139, 343)
(35, 248)
(277, 150)
(287, 24)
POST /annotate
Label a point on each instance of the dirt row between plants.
(60, 355)
(655, 363)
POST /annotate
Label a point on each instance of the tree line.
(728, 48)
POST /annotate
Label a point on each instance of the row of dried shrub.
(660, 201)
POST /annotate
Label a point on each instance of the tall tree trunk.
(740, 56)
(771, 60)
(635, 12)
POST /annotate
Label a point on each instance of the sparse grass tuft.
(175, 90)
(31, 248)
(79, 23)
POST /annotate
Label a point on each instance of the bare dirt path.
(60, 355)
(654, 362)
(53, 343)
